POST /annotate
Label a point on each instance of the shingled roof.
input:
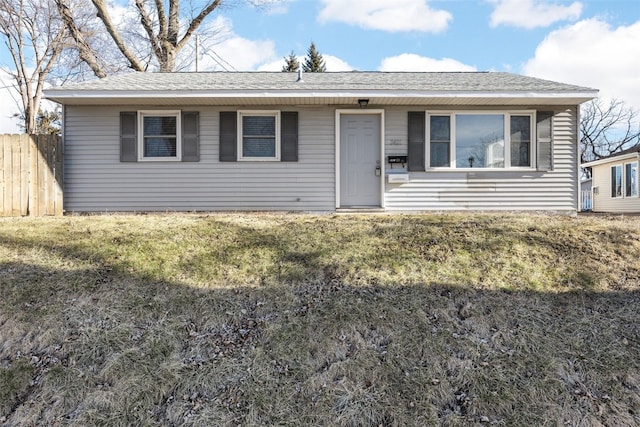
(325, 87)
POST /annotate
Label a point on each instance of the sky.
(592, 43)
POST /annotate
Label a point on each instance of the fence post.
(15, 166)
(23, 145)
(4, 178)
(34, 199)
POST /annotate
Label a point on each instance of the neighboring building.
(321, 142)
(586, 196)
(615, 182)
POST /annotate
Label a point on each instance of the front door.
(359, 160)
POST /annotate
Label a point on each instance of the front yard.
(269, 319)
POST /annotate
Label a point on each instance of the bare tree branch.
(162, 20)
(103, 14)
(147, 24)
(158, 41)
(85, 51)
(35, 40)
(607, 129)
(195, 23)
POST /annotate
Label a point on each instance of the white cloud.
(392, 16)
(532, 13)
(223, 49)
(333, 63)
(591, 53)
(8, 123)
(413, 62)
(275, 65)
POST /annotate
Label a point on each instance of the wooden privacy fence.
(30, 175)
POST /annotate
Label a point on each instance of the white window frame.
(622, 189)
(159, 113)
(624, 180)
(249, 113)
(507, 143)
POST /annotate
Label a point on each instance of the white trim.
(614, 159)
(140, 142)
(507, 114)
(623, 180)
(63, 125)
(265, 113)
(578, 167)
(621, 196)
(61, 93)
(339, 113)
(625, 177)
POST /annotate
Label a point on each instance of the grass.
(266, 319)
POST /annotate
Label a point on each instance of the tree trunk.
(103, 14)
(162, 30)
(35, 42)
(86, 53)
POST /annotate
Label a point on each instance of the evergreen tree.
(291, 63)
(314, 63)
(47, 122)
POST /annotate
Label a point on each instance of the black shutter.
(128, 136)
(190, 136)
(228, 136)
(544, 132)
(289, 136)
(416, 136)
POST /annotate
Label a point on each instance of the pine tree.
(291, 63)
(314, 63)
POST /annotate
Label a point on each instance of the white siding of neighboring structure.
(555, 190)
(602, 200)
(96, 180)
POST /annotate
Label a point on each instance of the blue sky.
(468, 35)
(590, 43)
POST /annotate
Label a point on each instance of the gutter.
(610, 160)
(60, 94)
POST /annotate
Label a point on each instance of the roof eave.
(83, 97)
(612, 159)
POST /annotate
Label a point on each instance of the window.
(440, 136)
(159, 135)
(480, 140)
(259, 135)
(616, 181)
(521, 141)
(631, 179)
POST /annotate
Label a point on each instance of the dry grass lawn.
(267, 319)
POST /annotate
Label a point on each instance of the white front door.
(359, 160)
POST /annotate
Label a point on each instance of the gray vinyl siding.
(96, 180)
(602, 201)
(555, 190)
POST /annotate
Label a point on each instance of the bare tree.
(80, 36)
(35, 39)
(606, 129)
(166, 33)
